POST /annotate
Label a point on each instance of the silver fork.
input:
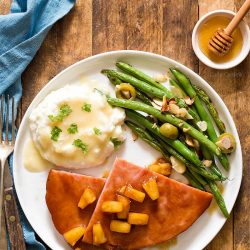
(6, 146)
(12, 220)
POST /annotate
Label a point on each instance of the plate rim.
(124, 53)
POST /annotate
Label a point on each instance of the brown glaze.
(178, 207)
(63, 192)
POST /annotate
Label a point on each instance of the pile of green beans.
(147, 88)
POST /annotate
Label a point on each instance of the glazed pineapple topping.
(87, 198)
(98, 234)
(125, 206)
(112, 207)
(120, 226)
(132, 193)
(73, 235)
(129, 207)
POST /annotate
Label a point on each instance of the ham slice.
(177, 208)
(63, 192)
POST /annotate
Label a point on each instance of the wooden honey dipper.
(222, 40)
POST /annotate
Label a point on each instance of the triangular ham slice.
(177, 208)
(63, 192)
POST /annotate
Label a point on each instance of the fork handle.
(12, 219)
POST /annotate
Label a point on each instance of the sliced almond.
(188, 100)
(178, 165)
(154, 125)
(179, 177)
(157, 103)
(202, 125)
(161, 77)
(185, 130)
(207, 163)
(134, 136)
(179, 112)
(190, 141)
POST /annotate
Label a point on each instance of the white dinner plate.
(30, 187)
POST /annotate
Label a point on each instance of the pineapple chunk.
(126, 206)
(122, 190)
(73, 235)
(105, 174)
(88, 197)
(120, 226)
(98, 234)
(132, 193)
(151, 188)
(112, 206)
(161, 168)
(138, 219)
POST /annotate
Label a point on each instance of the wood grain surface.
(12, 219)
(159, 26)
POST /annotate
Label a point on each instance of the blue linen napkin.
(22, 32)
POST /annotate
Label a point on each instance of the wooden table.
(159, 26)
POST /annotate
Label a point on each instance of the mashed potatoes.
(75, 127)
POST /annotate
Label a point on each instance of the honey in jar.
(207, 31)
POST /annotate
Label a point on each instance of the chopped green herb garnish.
(72, 128)
(116, 142)
(55, 132)
(86, 107)
(97, 131)
(80, 144)
(64, 111)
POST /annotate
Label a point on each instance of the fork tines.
(4, 119)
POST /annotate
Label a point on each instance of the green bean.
(211, 108)
(187, 128)
(218, 197)
(148, 89)
(199, 170)
(198, 178)
(207, 156)
(140, 119)
(142, 86)
(176, 144)
(186, 84)
(175, 84)
(142, 76)
(145, 136)
(116, 81)
(193, 181)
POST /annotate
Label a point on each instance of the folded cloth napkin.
(22, 32)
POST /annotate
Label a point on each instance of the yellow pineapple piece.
(161, 168)
(126, 206)
(120, 226)
(132, 193)
(105, 174)
(98, 234)
(88, 197)
(122, 190)
(151, 188)
(138, 219)
(73, 235)
(112, 206)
